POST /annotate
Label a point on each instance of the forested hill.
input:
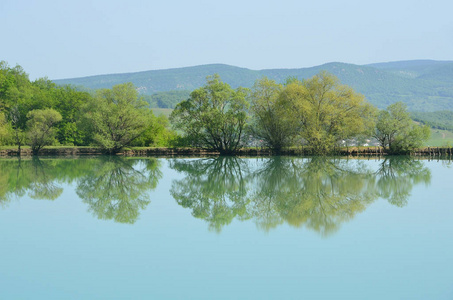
(424, 85)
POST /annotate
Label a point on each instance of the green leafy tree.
(3, 128)
(396, 130)
(213, 117)
(157, 134)
(272, 120)
(118, 117)
(40, 128)
(70, 102)
(18, 132)
(328, 111)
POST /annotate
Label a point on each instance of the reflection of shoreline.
(114, 187)
(317, 193)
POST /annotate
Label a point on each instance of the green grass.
(440, 138)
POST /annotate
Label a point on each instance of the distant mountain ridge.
(424, 85)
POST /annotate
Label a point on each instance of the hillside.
(423, 85)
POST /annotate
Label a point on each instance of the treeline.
(39, 113)
(318, 112)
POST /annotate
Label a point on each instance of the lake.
(226, 228)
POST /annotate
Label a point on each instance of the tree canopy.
(118, 117)
(396, 130)
(272, 120)
(213, 117)
(328, 111)
(41, 131)
(318, 112)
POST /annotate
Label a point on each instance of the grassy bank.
(440, 138)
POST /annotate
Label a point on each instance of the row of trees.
(319, 112)
(39, 113)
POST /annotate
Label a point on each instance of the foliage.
(40, 128)
(18, 96)
(327, 111)
(3, 128)
(118, 117)
(396, 130)
(272, 120)
(157, 134)
(213, 117)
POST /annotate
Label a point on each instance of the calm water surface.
(226, 228)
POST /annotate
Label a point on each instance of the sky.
(66, 39)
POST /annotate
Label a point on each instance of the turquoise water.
(226, 228)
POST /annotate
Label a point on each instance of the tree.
(328, 111)
(69, 102)
(271, 118)
(118, 117)
(213, 117)
(19, 136)
(3, 127)
(396, 130)
(157, 134)
(40, 131)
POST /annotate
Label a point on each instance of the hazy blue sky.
(62, 39)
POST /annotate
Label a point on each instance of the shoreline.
(198, 152)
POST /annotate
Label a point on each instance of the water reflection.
(318, 193)
(113, 187)
(36, 178)
(214, 189)
(397, 176)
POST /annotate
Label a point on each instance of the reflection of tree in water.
(398, 175)
(43, 186)
(116, 189)
(318, 193)
(214, 188)
(36, 177)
